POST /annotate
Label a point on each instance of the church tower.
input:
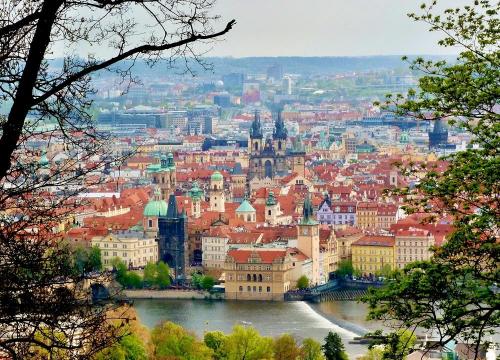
(256, 135)
(272, 209)
(217, 197)
(196, 195)
(154, 209)
(163, 175)
(308, 239)
(172, 239)
(279, 136)
(298, 156)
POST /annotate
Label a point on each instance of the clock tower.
(308, 239)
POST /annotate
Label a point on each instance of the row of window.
(254, 289)
(370, 252)
(415, 243)
(410, 251)
(124, 246)
(369, 259)
(254, 267)
(144, 260)
(251, 277)
(124, 254)
(410, 258)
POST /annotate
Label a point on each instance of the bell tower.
(308, 239)
(217, 196)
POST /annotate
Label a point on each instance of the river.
(300, 319)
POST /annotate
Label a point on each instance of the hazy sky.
(326, 27)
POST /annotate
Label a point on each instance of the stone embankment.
(171, 294)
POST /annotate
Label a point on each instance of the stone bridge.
(335, 289)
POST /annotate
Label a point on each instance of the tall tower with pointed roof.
(172, 239)
(256, 135)
(268, 158)
(298, 156)
(308, 240)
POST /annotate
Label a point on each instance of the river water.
(300, 319)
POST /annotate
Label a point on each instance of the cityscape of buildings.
(256, 180)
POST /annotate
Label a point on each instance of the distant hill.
(293, 65)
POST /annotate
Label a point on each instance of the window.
(254, 278)
(150, 223)
(249, 277)
(124, 254)
(260, 277)
(260, 289)
(268, 289)
(255, 289)
(249, 288)
(241, 288)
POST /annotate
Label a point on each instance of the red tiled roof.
(242, 256)
(374, 240)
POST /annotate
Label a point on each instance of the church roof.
(155, 208)
(216, 176)
(245, 206)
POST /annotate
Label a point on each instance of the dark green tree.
(333, 348)
(207, 283)
(196, 280)
(162, 275)
(455, 294)
(94, 262)
(132, 280)
(303, 282)
(344, 268)
(150, 274)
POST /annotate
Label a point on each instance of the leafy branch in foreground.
(455, 294)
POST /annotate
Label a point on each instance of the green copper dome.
(216, 176)
(245, 206)
(195, 193)
(156, 208)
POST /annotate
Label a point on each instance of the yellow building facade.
(371, 254)
(258, 274)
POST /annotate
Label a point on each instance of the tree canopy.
(42, 286)
(454, 295)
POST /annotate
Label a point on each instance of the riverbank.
(172, 294)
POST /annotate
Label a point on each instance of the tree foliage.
(303, 282)
(247, 343)
(311, 350)
(455, 294)
(207, 283)
(344, 268)
(171, 341)
(42, 287)
(285, 348)
(216, 340)
(333, 348)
